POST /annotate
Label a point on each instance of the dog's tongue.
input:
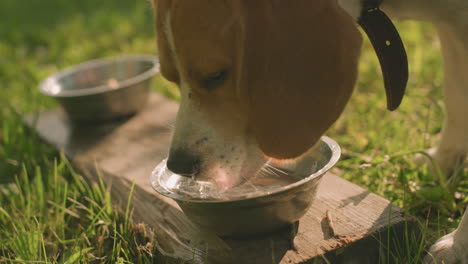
(389, 48)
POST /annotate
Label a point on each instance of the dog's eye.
(215, 80)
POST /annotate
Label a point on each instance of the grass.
(50, 214)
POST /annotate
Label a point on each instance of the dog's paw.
(447, 250)
(445, 162)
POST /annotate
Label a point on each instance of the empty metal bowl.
(103, 89)
(251, 211)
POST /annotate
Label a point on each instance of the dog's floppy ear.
(297, 70)
(162, 10)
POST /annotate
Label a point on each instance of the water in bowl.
(264, 183)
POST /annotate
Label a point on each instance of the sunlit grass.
(50, 214)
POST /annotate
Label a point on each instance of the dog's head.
(258, 79)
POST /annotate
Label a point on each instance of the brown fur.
(292, 64)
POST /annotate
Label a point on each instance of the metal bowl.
(103, 89)
(256, 212)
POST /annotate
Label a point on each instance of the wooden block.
(126, 151)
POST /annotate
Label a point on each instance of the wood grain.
(126, 151)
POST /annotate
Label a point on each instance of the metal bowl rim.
(335, 156)
(101, 88)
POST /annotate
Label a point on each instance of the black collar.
(371, 4)
(389, 48)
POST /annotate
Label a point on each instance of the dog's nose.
(183, 163)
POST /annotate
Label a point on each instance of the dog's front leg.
(451, 248)
(453, 147)
(451, 20)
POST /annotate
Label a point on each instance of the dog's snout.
(183, 163)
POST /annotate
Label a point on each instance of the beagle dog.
(263, 80)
